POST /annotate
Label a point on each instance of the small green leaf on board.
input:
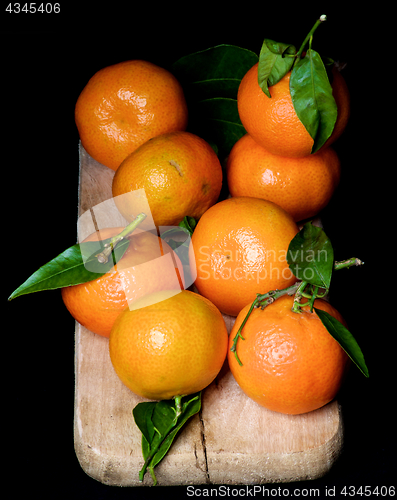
(159, 423)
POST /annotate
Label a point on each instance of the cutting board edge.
(295, 466)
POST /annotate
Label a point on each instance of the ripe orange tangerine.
(239, 249)
(168, 344)
(180, 173)
(302, 186)
(124, 105)
(96, 304)
(290, 363)
(273, 122)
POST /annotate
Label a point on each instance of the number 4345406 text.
(33, 7)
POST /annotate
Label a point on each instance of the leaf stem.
(103, 257)
(263, 300)
(178, 406)
(345, 264)
(153, 451)
(309, 36)
(298, 297)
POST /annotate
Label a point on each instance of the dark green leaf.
(210, 79)
(346, 340)
(214, 72)
(143, 418)
(190, 408)
(188, 223)
(164, 416)
(145, 447)
(312, 98)
(78, 264)
(310, 256)
(274, 63)
(178, 238)
(159, 424)
(218, 120)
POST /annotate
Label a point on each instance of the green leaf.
(218, 120)
(274, 63)
(159, 423)
(310, 256)
(77, 264)
(178, 238)
(346, 340)
(213, 72)
(312, 98)
(210, 79)
(192, 407)
(188, 223)
(143, 418)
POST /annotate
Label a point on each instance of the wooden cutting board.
(231, 441)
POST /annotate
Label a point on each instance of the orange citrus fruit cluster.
(132, 117)
(165, 341)
(169, 341)
(274, 161)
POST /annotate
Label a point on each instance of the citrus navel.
(290, 363)
(273, 122)
(302, 186)
(124, 105)
(168, 344)
(142, 270)
(239, 249)
(180, 173)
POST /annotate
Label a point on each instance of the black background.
(46, 61)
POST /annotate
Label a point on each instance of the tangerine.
(168, 344)
(302, 186)
(180, 173)
(124, 105)
(239, 249)
(97, 303)
(290, 363)
(273, 122)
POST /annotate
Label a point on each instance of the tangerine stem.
(103, 257)
(345, 264)
(309, 36)
(263, 300)
(238, 335)
(178, 406)
(313, 297)
(298, 296)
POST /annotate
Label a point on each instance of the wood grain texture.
(231, 441)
